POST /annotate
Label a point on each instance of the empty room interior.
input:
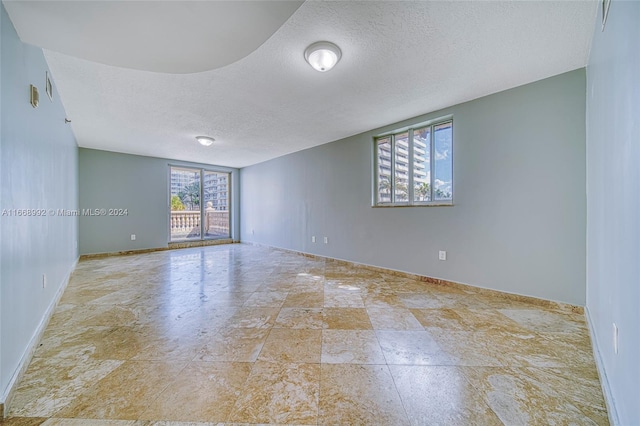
(320, 213)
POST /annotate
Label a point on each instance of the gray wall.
(518, 223)
(38, 170)
(613, 204)
(140, 185)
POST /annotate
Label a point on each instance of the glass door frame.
(201, 172)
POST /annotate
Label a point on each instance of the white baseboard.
(604, 381)
(27, 355)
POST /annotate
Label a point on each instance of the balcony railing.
(185, 224)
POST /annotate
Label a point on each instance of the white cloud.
(442, 155)
(444, 186)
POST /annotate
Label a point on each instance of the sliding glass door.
(199, 204)
(215, 191)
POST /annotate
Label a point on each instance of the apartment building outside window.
(414, 166)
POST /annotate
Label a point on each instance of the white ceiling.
(160, 36)
(400, 59)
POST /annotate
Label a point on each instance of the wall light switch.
(313, 239)
(133, 237)
(326, 240)
(442, 255)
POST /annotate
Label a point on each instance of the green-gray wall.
(613, 205)
(38, 170)
(518, 220)
(140, 185)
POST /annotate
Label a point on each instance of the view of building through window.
(192, 219)
(416, 178)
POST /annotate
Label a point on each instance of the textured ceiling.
(400, 59)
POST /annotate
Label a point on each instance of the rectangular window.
(422, 164)
(443, 170)
(384, 170)
(420, 160)
(189, 218)
(401, 169)
(216, 204)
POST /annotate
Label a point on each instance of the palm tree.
(423, 191)
(402, 191)
(441, 195)
(190, 195)
(384, 186)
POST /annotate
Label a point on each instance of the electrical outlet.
(313, 239)
(133, 237)
(442, 255)
(44, 280)
(615, 338)
(326, 240)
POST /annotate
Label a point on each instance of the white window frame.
(411, 190)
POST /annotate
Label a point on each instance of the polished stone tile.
(305, 300)
(456, 300)
(50, 384)
(247, 317)
(387, 301)
(393, 319)
(499, 348)
(266, 299)
(440, 396)
(116, 316)
(204, 321)
(351, 347)
(548, 321)
(88, 422)
(343, 299)
(346, 319)
(359, 394)
(229, 298)
(123, 343)
(241, 334)
(412, 348)
(279, 393)
(307, 318)
(23, 421)
(292, 345)
(529, 396)
(84, 296)
(204, 391)
(488, 319)
(171, 423)
(172, 347)
(276, 283)
(236, 344)
(125, 393)
(421, 301)
(66, 313)
(445, 319)
(71, 341)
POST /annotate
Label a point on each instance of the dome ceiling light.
(323, 55)
(205, 140)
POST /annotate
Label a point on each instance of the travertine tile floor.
(239, 334)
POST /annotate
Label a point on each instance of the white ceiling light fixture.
(205, 140)
(323, 55)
